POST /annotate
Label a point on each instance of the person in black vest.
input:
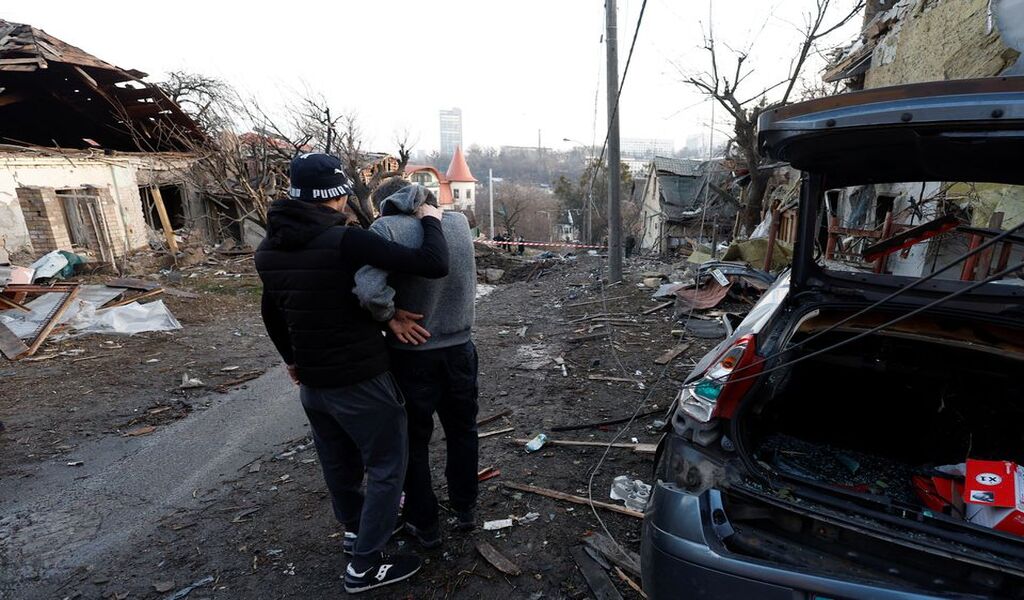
(338, 355)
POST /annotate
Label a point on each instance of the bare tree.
(724, 85)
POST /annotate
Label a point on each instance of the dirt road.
(233, 492)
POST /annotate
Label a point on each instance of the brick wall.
(44, 218)
(940, 39)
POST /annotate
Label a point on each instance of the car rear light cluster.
(719, 390)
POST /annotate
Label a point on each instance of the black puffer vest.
(335, 342)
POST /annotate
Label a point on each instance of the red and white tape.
(544, 244)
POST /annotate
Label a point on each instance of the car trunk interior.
(860, 421)
(931, 392)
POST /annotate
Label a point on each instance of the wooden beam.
(671, 355)
(165, 221)
(497, 559)
(143, 296)
(5, 301)
(595, 576)
(655, 309)
(61, 309)
(622, 510)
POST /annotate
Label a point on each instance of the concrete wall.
(114, 178)
(944, 39)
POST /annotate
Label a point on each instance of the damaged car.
(819, 450)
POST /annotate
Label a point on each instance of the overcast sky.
(512, 67)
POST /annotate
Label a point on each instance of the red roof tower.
(458, 170)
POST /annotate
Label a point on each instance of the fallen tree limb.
(638, 448)
(622, 510)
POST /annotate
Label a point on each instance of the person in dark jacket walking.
(435, 363)
(337, 354)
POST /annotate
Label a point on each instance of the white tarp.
(49, 265)
(126, 320)
(85, 316)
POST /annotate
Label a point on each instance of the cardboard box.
(994, 493)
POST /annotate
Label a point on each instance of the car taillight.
(719, 390)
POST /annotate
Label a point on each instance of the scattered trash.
(290, 569)
(75, 463)
(634, 492)
(188, 382)
(144, 430)
(233, 368)
(163, 586)
(241, 516)
(529, 517)
(497, 524)
(574, 499)
(185, 591)
(536, 443)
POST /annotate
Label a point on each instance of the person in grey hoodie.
(433, 358)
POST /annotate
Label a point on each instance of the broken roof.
(677, 166)
(57, 95)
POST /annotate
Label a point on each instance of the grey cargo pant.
(360, 429)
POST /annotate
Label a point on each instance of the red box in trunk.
(994, 493)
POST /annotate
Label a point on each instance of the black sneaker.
(428, 538)
(465, 521)
(390, 569)
(348, 543)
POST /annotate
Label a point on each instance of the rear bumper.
(682, 552)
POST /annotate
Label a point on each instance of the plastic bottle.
(536, 443)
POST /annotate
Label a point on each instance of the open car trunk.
(853, 426)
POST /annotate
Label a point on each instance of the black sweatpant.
(442, 380)
(360, 430)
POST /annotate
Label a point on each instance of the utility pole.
(490, 194)
(614, 187)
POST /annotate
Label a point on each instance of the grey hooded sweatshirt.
(447, 303)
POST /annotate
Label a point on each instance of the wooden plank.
(5, 301)
(595, 576)
(133, 284)
(612, 552)
(10, 345)
(142, 296)
(497, 559)
(622, 510)
(632, 584)
(165, 221)
(655, 309)
(588, 337)
(493, 418)
(588, 303)
(495, 432)
(61, 309)
(671, 355)
(610, 378)
(586, 443)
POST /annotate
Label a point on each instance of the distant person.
(630, 245)
(435, 362)
(336, 353)
(521, 249)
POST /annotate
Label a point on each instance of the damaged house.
(675, 195)
(91, 156)
(918, 41)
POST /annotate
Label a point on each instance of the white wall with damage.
(117, 175)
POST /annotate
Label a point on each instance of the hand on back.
(426, 210)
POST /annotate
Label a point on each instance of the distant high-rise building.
(646, 148)
(451, 131)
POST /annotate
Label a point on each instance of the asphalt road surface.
(61, 518)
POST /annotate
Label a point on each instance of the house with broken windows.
(925, 224)
(684, 199)
(91, 155)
